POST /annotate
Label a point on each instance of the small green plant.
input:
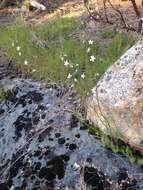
(116, 145)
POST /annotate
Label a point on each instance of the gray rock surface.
(44, 146)
(116, 105)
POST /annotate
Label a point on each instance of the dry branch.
(105, 12)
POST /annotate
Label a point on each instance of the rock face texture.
(116, 105)
(43, 145)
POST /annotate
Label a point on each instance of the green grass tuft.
(57, 37)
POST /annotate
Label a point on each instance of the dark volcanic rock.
(42, 146)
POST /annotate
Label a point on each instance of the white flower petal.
(90, 42)
(93, 90)
(83, 76)
(69, 76)
(12, 44)
(88, 50)
(18, 48)
(66, 63)
(25, 62)
(71, 66)
(72, 85)
(92, 58)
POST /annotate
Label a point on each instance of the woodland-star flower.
(66, 63)
(18, 48)
(92, 58)
(83, 76)
(25, 62)
(69, 76)
(90, 42)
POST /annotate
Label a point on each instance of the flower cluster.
(18, 48)
(74, 70)
(92, 57)
(75, 73)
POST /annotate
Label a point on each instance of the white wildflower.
(71, 66)
(96, 74)
(77, 65)
(93, 90)
(18, 48)
(92, 58)
(83, 76)
(12, 44)
(25, 62)
(66, 63)
(19, 53)
(88, 50)
(75, 80)
(72, 85)
(90, 42)
(69, 76)
(33, 70)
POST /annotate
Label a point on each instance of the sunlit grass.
(59, 46)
